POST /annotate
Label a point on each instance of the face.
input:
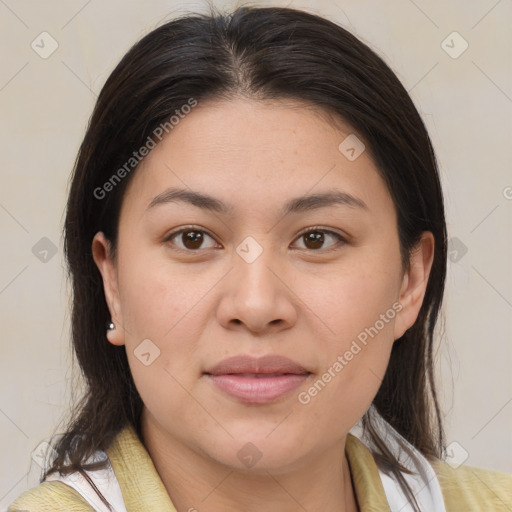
(293, 264)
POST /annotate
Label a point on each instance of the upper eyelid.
(187, 228)
(319, 228)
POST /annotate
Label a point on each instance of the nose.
(257, 295)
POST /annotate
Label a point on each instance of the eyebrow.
(296, 205)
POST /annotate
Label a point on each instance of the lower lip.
(257, 390)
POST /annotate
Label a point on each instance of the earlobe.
(414, 283)
(101, 253)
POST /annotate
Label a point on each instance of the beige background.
(467, 105)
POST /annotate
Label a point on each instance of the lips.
(266, 365)
(257, 380)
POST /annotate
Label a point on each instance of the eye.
(190, 239)
(193, 239)
(315, 239)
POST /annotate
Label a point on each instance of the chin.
(259, 453)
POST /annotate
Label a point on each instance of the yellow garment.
(465, 489)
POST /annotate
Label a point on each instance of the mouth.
(261, 375)
(257, 380)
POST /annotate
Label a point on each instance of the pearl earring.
(111, 326)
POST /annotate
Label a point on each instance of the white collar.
(424, 483)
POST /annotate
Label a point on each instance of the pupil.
(315, 239)
(192, 239)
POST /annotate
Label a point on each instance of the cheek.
(358, 303)
(352, 371)
(165, 310)
(352, 296)
(159, 296)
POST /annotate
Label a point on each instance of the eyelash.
(313, 229)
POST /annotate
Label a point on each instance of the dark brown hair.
(254, 53)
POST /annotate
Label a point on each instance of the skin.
(296, 299)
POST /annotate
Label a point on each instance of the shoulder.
(475, 489)
(50, 497)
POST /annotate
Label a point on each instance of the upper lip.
(269, 364)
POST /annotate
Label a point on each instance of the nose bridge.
(256, 296)
(250, 250)
(253, 258)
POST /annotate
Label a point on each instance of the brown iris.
(314, 239)
(192, 239)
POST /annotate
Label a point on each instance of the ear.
(102, 255)
(414, 283)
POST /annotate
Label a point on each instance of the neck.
(195, 482)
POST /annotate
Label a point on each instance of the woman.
(256, 215)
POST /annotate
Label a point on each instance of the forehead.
(245, 151)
